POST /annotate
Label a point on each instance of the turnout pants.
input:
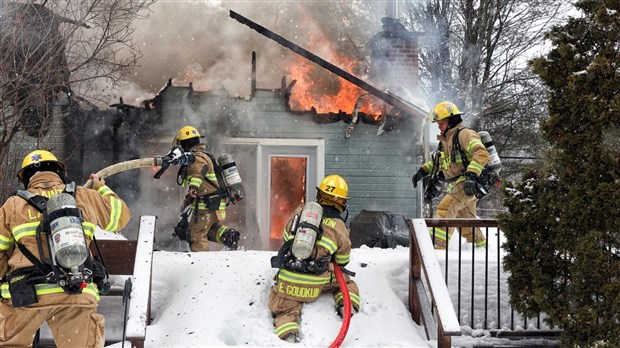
(457, 204)
(287, 311)
(205, 228)
(73, 326)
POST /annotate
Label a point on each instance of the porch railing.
(475, 280)
(423, 262)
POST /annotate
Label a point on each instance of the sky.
(219, 299)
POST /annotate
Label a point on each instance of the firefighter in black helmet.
(460, 200)
(204, 194)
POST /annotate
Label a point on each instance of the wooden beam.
(388, 97)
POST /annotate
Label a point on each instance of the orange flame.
(288, 190)
(327, 92)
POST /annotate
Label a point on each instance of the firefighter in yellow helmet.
(204, 195)
(460, 200)
(35, 290)
(301, 281)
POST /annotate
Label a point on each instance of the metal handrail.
(498, 325)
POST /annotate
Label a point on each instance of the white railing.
(423, 258)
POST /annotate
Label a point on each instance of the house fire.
(283, 144)
(283, 153)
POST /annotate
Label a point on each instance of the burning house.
(283, 142)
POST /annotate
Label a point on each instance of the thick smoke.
(198, 42)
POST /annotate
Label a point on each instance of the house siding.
(378, 168)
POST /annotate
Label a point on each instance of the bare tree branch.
(57, 50)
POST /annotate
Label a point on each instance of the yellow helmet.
(444, 110)
(333, 191)
(185, 133)
(34, 160)
(335, 185)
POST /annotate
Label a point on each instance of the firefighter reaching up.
(461, 158)
(206, 196)
(314, 235)
(48, 273)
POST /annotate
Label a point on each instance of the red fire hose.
(346, 298)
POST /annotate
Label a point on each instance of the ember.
(194, 72)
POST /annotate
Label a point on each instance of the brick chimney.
(394, 58)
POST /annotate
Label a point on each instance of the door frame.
(266, 148)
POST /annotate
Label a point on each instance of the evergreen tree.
(563, 226)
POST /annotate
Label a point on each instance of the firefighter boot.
(230, 239)
(291, 337)
(340, 310)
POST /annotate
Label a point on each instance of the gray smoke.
(198, 42)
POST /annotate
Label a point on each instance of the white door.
(287, 174)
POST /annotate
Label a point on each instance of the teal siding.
(378, 168)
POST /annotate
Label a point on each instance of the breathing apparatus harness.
(486, 178)
(49, 269)
(228, 185)
(228, 181)
(212, 200)
(285, 259)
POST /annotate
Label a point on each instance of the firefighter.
(204, 194)
(293, 288)
(72, 317)
(460, 200)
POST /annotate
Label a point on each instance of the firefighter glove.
(417, 177)
(470, 183)
(181, 230)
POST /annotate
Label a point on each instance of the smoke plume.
(198, 42)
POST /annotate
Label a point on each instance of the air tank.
(305, 236)
(231, 176)
(494, 164)
(66, 233)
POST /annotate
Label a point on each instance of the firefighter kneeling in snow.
(54, 219)
(460, 173)
(204, 195)
(314, 235)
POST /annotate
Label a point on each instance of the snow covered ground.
(219, 299)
